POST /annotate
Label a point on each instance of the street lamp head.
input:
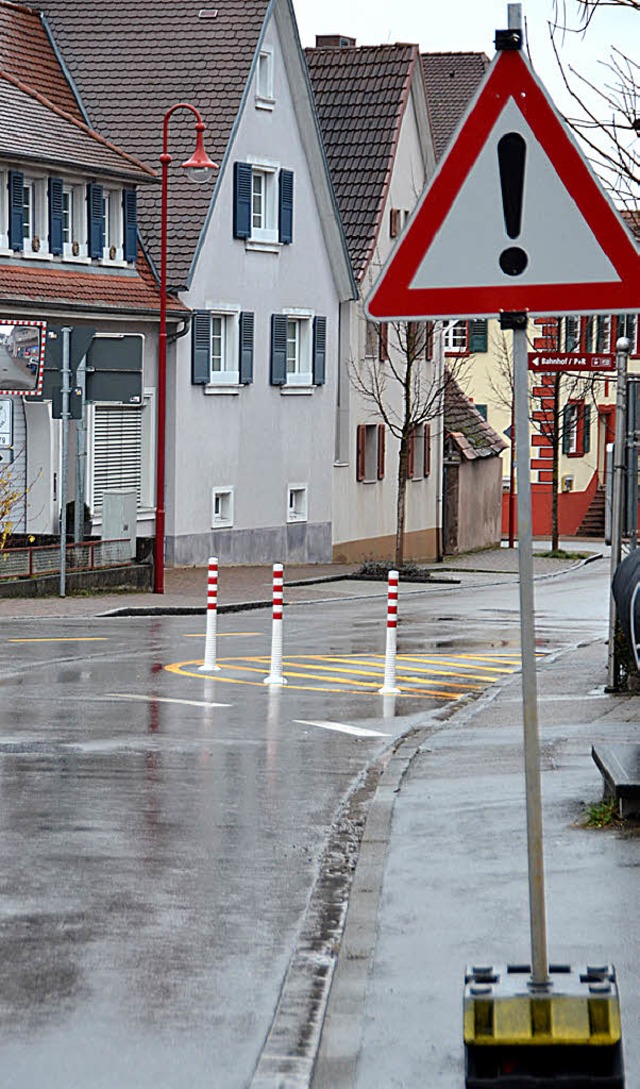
(199, 167)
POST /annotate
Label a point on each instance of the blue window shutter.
(319, 351)
(278, 350)
(200, 347)
(55, 216)
(247, 322)
(16, 209)
(95, 218)
(130, 224)
(241, 200)
(286, 206)
(478, 335)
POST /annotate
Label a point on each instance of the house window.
(298, 349)
(569, 330)
(34, 217)
(117, 452)
(264, 80)
(576, 429)
(221, 508)
(67, 216)
(112, 224)
(297, 503)
(74, 225)
(222, 348)
(603, 333)
(455, 337)
(627, 327)
(419, 454)
(377, 341)
(263, 204)
(370, 452)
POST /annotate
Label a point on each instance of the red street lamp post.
(199, 167)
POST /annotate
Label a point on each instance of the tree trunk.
(401, 501)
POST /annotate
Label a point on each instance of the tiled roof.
(75, 288)
(28, 56)
(474, 437)
(361, 95)
(32, 129)
(451, 80)
(131, 62)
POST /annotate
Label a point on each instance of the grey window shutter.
(130, 218)
(241, 200)
(55, 216)
(200, 347)
(478, 335)
(95, 216)
(319, 351)
(586, 429)
(247, 322)
(16, 209)
(278, 375)
(286, 206)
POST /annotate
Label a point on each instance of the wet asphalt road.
(161, 831)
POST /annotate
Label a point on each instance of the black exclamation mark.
(512, 152)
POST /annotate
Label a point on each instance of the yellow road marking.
(439, 672)
(64, 639)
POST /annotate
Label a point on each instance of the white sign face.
(6, 422)
(558, 242)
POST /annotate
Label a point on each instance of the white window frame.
(4, 212)
(38, 224)
(222, 497)
(297, 502)
(113, 227)
(76, 248)
(455, 335)
(268, 232)
(302, 372)
(265, 80)
(571, 422)
(229, 316)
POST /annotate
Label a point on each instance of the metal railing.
(16, 563)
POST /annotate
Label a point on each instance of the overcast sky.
(454, 25)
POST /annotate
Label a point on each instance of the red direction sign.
(571, 361)
(513, 220)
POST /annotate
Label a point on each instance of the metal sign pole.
(81, 456)
(622, 349)
(66, 386)
(539, 958)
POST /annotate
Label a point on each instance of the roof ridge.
(44, 101)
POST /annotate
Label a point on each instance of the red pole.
(158, 585)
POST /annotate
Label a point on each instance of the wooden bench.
(620, 769)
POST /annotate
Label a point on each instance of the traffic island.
(519, 1036)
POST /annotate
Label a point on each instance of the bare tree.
(557, 426)
(404, 387)
(607, 117)
(10, 496)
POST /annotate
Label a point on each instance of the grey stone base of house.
(106, 579)
(296, 542)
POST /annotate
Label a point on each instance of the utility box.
(120, 516)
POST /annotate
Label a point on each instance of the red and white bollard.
(275, 673)
(389, 687)
(209, 664)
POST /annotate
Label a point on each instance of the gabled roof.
(32, 129)
(361, 93)
(451, 80)
(131, 62)
(473, 436)
(27, 55)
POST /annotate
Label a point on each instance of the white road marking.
(163, 699)
(342, 728)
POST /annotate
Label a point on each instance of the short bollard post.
(275, 673)
(389, 686)
(209, 665)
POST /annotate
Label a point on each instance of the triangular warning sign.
(513, 220)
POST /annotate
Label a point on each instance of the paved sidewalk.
(441, 880)
(186, 587)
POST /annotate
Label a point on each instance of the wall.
(479, 508)
(256, 439)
